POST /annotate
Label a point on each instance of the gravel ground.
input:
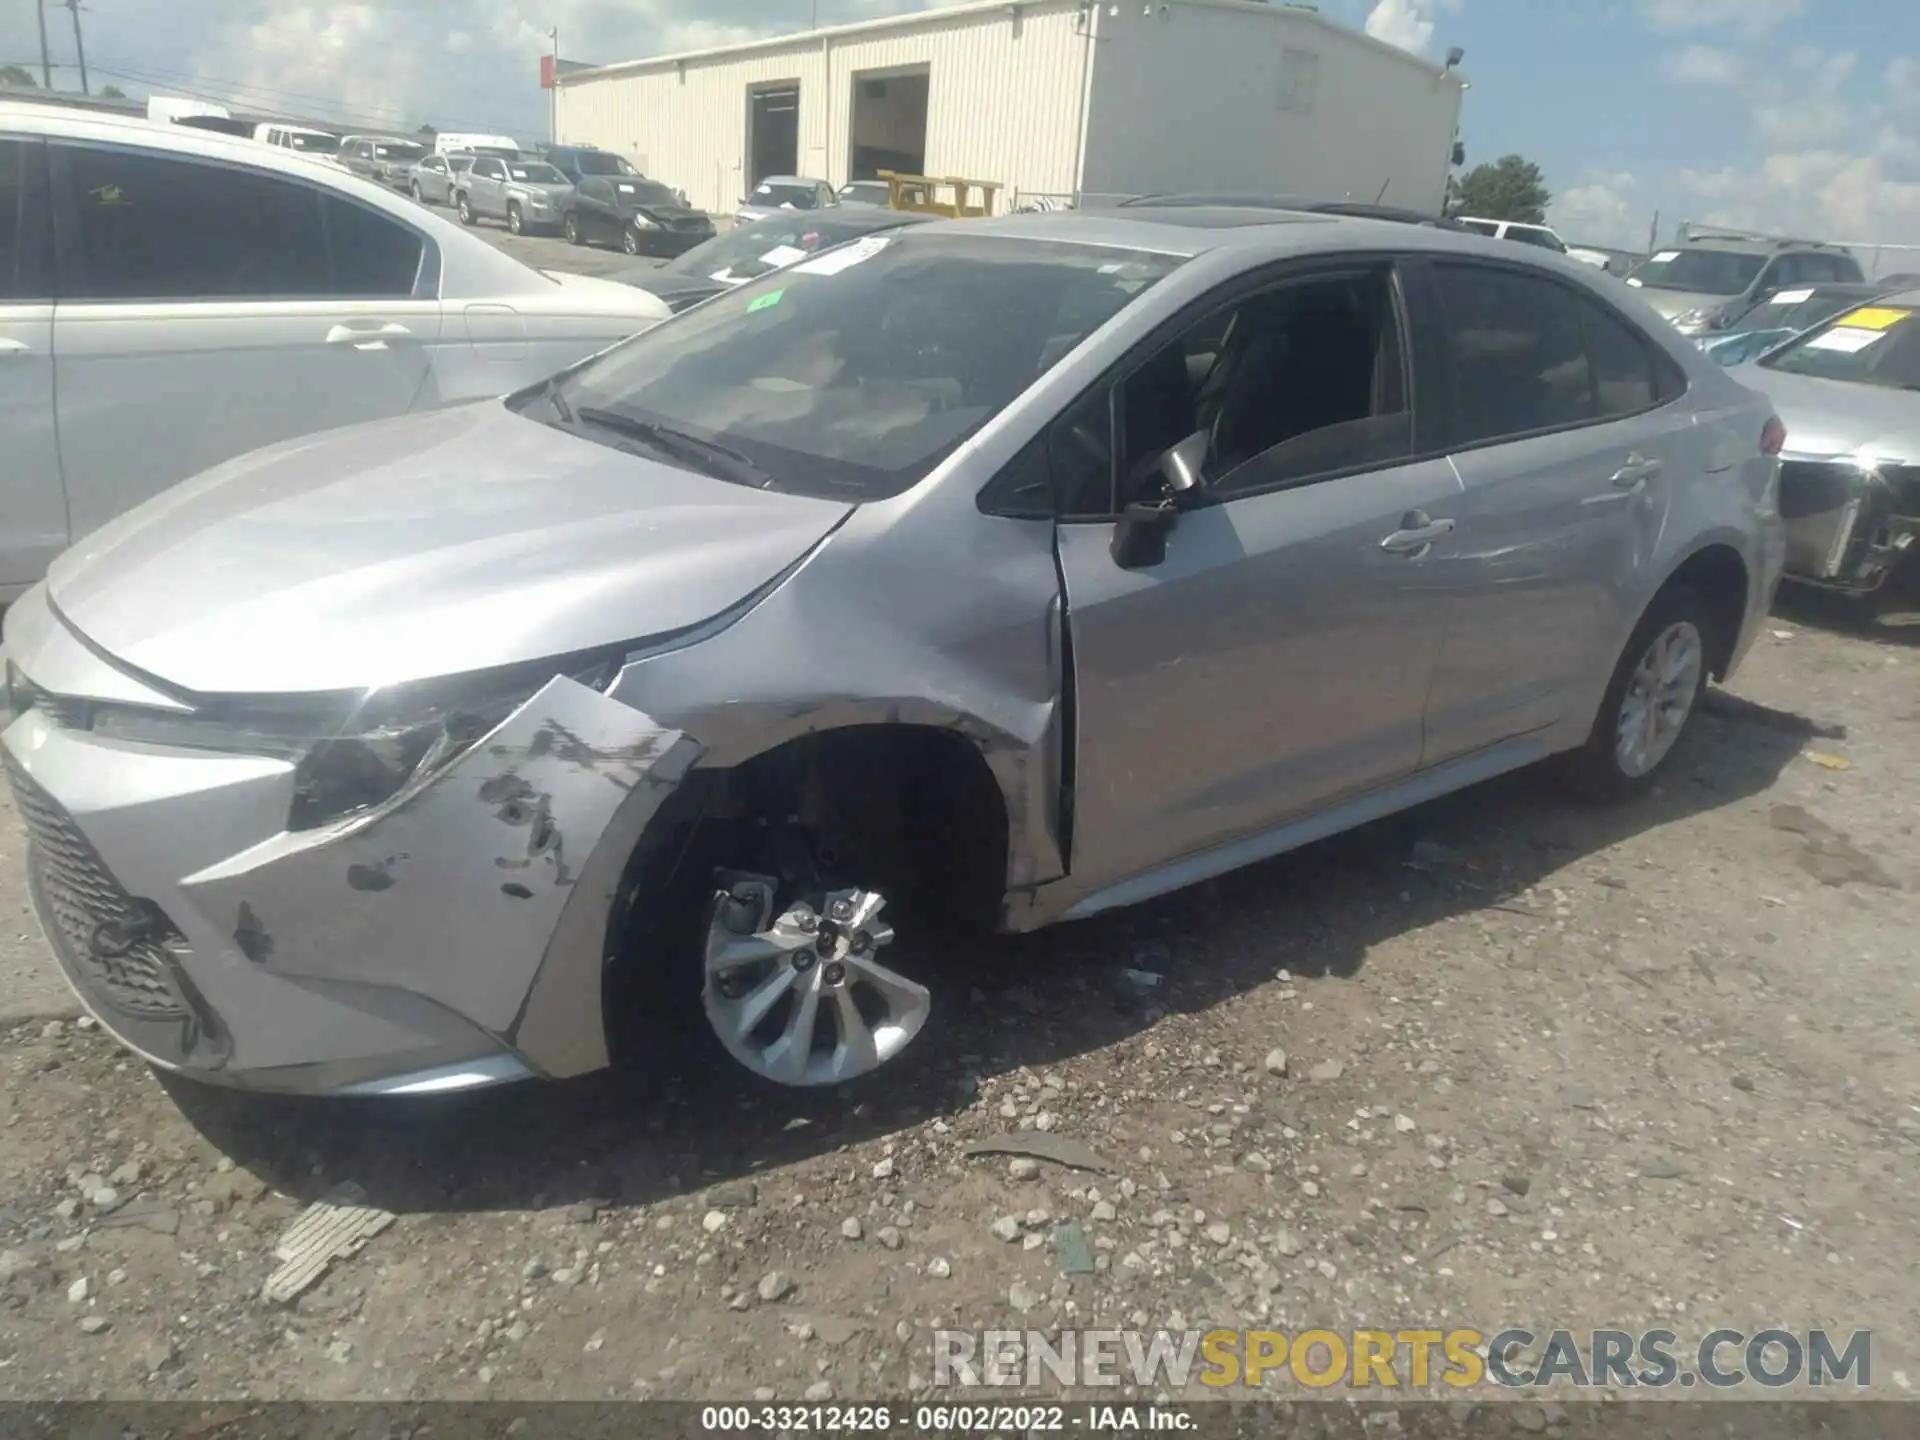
(1501, 1060)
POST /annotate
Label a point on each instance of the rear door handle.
(1635, 473)
(368, 337)
(1416, 534)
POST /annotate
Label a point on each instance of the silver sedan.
(983, 572)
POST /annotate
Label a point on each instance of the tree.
(112, 92)
(17, 77)
(1510, 188)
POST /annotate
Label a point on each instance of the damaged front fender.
(455, 894)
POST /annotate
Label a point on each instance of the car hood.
(1837, 417)
(428, 545)
(1672, 304)
(598, 294)
(678, 290)
(553, 192)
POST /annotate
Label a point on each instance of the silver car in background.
(993, 572)
(525, 194)
(784, 192)
(433, 178)
(1849, 392)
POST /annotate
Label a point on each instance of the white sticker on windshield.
(626, 189)
(783, 255)
(1790, 297)
(724, 276)
(1636, 284)
(1666, 255)
(845, 258)
(1845, 339)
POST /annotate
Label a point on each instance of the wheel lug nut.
(809, 923)
(862, 942)
(834, 974)
(841, 910)
(803, 960)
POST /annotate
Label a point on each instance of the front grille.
(117, 942)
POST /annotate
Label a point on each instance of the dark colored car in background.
(749, 251)
(614, 204)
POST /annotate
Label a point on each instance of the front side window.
(851, 376)
(1482, 227)
(26, 228)
(144, 233)
(1536, 235)
(1300, 381)
(1873, 344)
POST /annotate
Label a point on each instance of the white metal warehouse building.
(1062, 98)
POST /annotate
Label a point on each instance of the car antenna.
(1383, 190)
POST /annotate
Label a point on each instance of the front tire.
(515, 225)
(414, 190)
(570, 227)
(464, 210)
(1651, 699)
(630, 240)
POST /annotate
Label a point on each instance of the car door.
(1560, 417)
(33, 507)
(1276, 657)
(486, 195)
(182, 343)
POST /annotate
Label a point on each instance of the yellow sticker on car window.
(1876, 317)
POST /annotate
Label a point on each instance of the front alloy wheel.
(799, 997)
(1659, 699)
(514, 222)
(570, 227)
(630, 240)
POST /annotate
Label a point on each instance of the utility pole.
(46, 61)
(1653, 234)
(553, 95)
(79, 45)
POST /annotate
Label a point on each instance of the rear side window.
(1526, 354)
(26, 228)
(157, 227)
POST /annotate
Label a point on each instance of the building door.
(773, 132)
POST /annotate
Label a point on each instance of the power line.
(79, 45)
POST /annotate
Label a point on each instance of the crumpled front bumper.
(1849, 526)
(451, 939)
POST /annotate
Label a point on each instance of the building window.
(1299, 80)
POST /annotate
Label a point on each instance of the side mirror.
(1181, 466)
(1140, 536)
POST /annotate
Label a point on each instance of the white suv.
(172, 297)
(1542, 237)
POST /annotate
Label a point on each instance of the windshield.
(498, 152)
(866, 192)
(536, 174)
(800, 197)
(1797, 309)
(601, 162)
(1700, 272)
(851, 376)
(314, 144)
(647, 192)
(1873, 345)
(400, 151)
(749, 251)
(1534, 235)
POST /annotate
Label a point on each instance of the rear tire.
(1651, 699)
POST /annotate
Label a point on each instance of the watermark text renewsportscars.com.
(1458, 1359)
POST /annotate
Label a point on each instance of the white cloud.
(1401, 23)
(1602, 210)
(1750, 17)
(1813, 100)
(1902, 78)
(1701, 65)
(1827, 194)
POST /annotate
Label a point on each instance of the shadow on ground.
(629, 1139)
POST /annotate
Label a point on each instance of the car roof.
(787, 180)
(1740, 245)
(1249, 201)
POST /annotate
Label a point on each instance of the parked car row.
(145, 343)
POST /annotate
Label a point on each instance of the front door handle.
(10, 346)
(1635, 473)
(1416, 534)
(372, 337)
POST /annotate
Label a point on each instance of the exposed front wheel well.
(908, 810)
(1719, 576)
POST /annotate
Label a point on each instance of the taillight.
(1773, 437)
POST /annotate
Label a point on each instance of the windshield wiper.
(710, 456)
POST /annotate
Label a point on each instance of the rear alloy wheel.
(630, 240)
(798, 996)
(514, 221)
(1653, 696)
(570, 227)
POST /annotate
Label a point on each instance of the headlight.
(355, 752)
(642, 222)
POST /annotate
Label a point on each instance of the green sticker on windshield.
(765, 302)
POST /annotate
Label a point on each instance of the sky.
(1792, 116)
